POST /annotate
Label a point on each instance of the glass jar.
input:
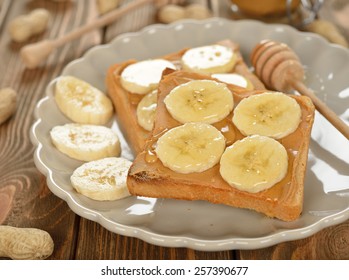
(294, 12)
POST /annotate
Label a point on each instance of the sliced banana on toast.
(146, 110)
(103, 179)
(254, 163)
(192, 147)
(86, 142)
(272, 114)
(81, 102)
(144, 76)
(200, 101)
(209, 59)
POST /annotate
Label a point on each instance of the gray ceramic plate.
(201, 225)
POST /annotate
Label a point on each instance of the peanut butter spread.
(294, 143)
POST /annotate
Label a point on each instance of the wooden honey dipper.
(279, 68)
(33, 54)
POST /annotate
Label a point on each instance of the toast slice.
(125, 102)
(149, 177)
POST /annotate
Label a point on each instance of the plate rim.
(162, 239)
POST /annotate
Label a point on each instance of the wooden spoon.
(280, 69)
(33, 54)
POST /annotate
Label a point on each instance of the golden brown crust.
(148, 177)
(125, 103)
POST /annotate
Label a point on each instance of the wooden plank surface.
(95, 242)
(25, 200)
(329, 244)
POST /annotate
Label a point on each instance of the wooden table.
(26, 201)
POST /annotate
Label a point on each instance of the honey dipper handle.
(102, 21)
(331, 116)
(33, 54)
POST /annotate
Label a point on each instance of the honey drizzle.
(227, 128)
(150, 146)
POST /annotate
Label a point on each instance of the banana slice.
(234, 79)
(85, 142)
(103, 179)
(200, 101)
(146, 110)
(192, 147)
(144, 76)
(254, 163)
(81, 102)
(209, 59)
(272, 114)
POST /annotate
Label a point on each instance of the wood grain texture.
(25, 199)
(329, 244)
(133, 21)
(140, 18)
(108, 245)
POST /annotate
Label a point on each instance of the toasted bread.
(125, 102)
(149, 177)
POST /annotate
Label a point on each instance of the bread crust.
(125, 102)
(149, 177)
